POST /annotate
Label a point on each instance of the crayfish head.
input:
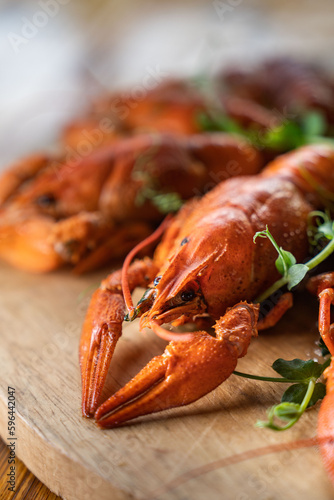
(180, 308)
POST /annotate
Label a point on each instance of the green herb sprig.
(308, 128)
(293, 273)
(304, 392)
(165, 202)
(320, 228)
(151, 190)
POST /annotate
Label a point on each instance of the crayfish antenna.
(125, 283)
(186, 371)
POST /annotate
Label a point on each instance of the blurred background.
(56, 55)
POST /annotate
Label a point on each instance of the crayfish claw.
(186, 371)
(101, 331)
(136, 398)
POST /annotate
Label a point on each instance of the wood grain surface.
(160, 456)
(28, 487)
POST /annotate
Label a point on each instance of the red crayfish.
(55, 212)
(207, 268)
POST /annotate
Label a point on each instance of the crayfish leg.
(89, 240)
(323, 286)
(326, 331)
(284, 303)
(186, 371)
(326, 431)
(22, 171)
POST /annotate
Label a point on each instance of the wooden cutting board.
(165, 456)
(27, 485)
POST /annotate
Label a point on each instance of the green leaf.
(298, 397)
(219, 122)
(167, 202)
(296, 273)
(320, 225)
(204, 122)
(318, 394)
(286, 258)
(314, 123)
(327, 229)
(323, 347)
(261, 234)
(297, 369)
(296, 393)
(287, 136)
(164, 202)
(311, 264)
(287, 411)
(227, 124)
(308, 129)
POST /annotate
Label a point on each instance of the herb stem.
(267, 379)
(320, 257)
(287, 426)
(273, 288)
(308, 395)
(302, 407)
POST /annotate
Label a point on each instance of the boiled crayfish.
(282, 85)
(55, 212)
(207, 267)
(83, 210)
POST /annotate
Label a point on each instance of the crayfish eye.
(188, 295)
(46, 200)
(156, 280)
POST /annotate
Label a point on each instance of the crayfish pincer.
(207, 266)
